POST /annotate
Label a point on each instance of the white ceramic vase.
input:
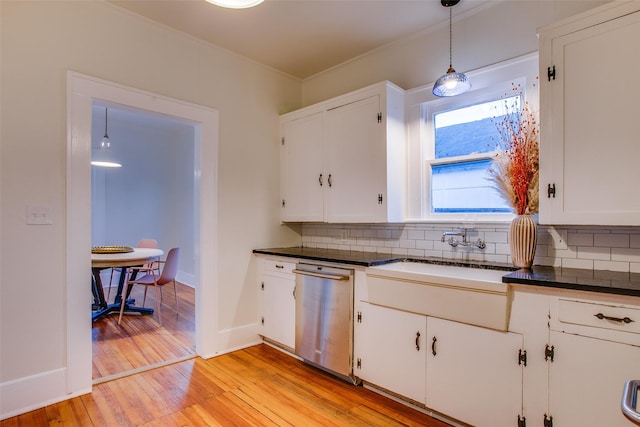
(523, 237)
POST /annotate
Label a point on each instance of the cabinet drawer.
(271, 266)
(593, 317)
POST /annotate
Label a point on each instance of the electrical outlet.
(558, 238)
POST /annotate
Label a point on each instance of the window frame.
(490, 83)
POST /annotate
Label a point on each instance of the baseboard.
(186, 279)
(233, 339)
(34, 392)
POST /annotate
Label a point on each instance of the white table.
(99, 262)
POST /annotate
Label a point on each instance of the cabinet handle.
(330, 181)
(294, 292)
(279, 266)
(320, 180)
(433, 346)
(614, 319)
(418, 341)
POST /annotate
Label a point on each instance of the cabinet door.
(302, 179)
(586, 379)
(589, 129)
(279, 320)
(390, 350)
(356, 163)
(474, 375)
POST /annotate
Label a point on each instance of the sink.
(474, 296)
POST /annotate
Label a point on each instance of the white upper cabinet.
(343, 160)
(302, 168)
(590, 130)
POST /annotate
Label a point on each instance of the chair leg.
(144, 297)
(158, 305)
(175, 293)
(123, 298)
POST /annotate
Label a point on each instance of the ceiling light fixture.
(102, 156)
(451, 83)
(235, 4)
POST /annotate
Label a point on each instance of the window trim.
(491, 82)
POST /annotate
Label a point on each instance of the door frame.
(82, 90)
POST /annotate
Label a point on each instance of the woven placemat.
(111, 249)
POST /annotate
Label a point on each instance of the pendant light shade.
(451, 83)
(236, 4)
(102, 156)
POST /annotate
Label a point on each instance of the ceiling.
(300, 37)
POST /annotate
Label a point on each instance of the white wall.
(40, 41)
(483, 36)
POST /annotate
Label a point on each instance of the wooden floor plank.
(140, 341)
(257, 386)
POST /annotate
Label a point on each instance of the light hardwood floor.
(140, 341)
(257, 386)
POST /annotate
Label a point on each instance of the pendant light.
(451, 83)
(236, 4)
(102, 156)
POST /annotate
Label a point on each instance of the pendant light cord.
(106, 122)
(450, 43)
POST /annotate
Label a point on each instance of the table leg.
(105, 308)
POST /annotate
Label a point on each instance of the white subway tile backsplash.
(424, 244)
(580, 239)
(408, 244)
(595, 253)
(415, 234)
(587, 247)
(625, 254)
(577, 263)
(611, 265)
(611, 240)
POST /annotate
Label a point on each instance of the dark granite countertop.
(611, 282)
(599, 281)
(366, 259)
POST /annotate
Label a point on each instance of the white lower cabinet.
(278, 306)
(474, 374)
(596, 349)
(468, 373)
(586, 379)
(390, 350)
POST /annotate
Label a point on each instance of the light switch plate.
(39, 215)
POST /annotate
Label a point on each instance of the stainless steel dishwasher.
(324, 317)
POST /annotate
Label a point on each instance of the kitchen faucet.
(464, 242)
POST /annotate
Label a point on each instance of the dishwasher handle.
(321, 275)
(630, 400)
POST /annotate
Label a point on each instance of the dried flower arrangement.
(515, 169)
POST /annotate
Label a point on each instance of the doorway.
(152, 195)
(82, 91)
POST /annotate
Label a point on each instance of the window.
(452, 143)
(464, 141)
